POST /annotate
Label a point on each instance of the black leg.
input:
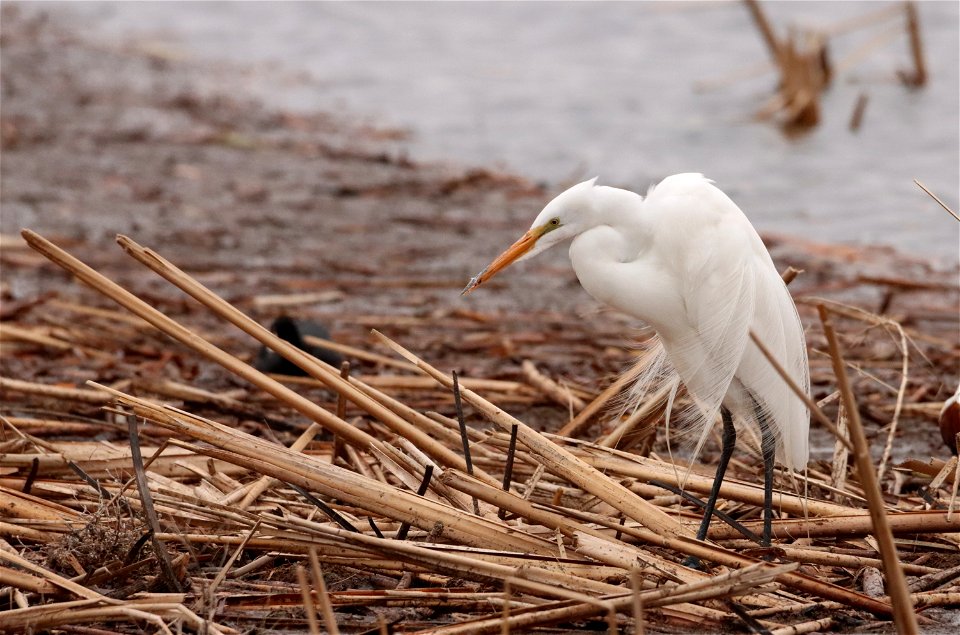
(726, 450)
(729, 440)
(768, 445)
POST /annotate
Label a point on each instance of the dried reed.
(590, 536)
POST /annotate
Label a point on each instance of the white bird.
(686, 261)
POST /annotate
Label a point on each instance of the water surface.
(566, 91)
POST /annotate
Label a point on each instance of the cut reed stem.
(903, 613)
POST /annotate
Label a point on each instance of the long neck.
(614, 204)
(620, 211)
(611, 259)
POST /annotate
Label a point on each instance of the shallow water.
(566, 91)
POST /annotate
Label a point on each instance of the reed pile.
(805, 66)
(346, 502)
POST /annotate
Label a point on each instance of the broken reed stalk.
(314, 367)
(638, 626)
(903, 613)
(314, 474)
(919, 76)
(903, 523)
(307, 595)
(558, 460)
(725, 585)
(265, 482)
(508, 468)
(568, 466)
(811, 406)
(505, 614)
(170, 327)
(54, 392)
(146, 501)
(338, 451)
(225, 569)
(464, 439)
(937, 199)
(326, 609)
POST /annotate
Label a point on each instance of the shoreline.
(829, 186)
(178, 117)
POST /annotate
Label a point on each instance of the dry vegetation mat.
(132, 500)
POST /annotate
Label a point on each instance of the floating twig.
(918, 77)
(856, 117)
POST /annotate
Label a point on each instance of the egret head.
(563, 218)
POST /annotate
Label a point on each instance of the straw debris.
(399, 528)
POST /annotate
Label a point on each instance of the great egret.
(686, 261)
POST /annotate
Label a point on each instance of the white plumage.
(685, 260)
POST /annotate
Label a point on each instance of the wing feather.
(707, 356)
(703, 280)
(729, 287)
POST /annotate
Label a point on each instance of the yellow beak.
(514, 251)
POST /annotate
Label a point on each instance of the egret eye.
(554, 222)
